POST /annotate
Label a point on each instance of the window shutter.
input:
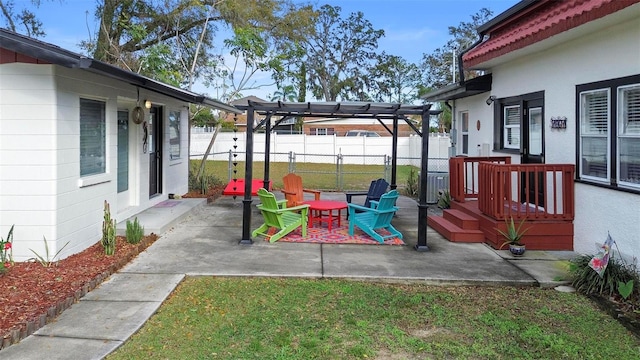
(595, 112)
(630, 110)
(512, 116)
(512, 127)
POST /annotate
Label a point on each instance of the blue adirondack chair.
(376, 189)
(277, 215)
(372, 219)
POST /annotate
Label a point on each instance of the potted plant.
(513, 235)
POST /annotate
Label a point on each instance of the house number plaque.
(559, 122)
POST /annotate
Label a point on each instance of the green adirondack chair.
(372, 220)
(277, 215)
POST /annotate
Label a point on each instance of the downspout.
(460, 64)
(454, 136)
(453, 133)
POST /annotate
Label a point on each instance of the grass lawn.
(267, 318)
(314, 175)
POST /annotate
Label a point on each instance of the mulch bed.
(624, 313)
(32, 295)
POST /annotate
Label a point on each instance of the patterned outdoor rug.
(337, 235)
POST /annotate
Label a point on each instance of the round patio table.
(323, 211)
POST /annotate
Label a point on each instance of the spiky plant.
(108, 231)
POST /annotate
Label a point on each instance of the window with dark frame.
(509, 117)
(93, 141)
(123, 150)
(464, 119)
(174, 135)
(608, 135)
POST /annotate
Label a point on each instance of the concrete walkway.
(202, 239)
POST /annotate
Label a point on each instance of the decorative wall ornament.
(559, 122)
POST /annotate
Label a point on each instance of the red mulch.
(32, 294)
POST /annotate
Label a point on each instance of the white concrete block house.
(70, 139)
(561, 86)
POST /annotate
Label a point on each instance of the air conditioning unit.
(436, 181)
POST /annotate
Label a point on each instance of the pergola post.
(248, 177)
(267, 152)
(394, 154)
(421, 244)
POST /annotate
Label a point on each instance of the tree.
(438, 66)
(393, 79)
(23, 20)
(173, 39)
(335, 54)
(286, 93)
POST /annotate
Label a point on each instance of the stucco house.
(75, 132)
(561, 88)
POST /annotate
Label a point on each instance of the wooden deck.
(486, 191)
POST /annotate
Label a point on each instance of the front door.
(532, 151)
(154, 144)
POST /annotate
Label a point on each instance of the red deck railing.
(531, 191)
(463, 175)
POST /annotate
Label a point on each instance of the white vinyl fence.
(318, 148)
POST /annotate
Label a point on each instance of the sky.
(412, 27)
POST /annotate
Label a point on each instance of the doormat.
(337, 235)
(167, 203)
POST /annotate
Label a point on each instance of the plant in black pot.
(513, 236)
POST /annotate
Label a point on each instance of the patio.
(208, 236)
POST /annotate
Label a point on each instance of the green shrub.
(134, 232)
(6, 251)
(47, 260)
(444, 199)
(412, 184)
(108, 231)
(203, 183)
(587, 281)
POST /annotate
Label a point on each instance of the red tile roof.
(541, 20)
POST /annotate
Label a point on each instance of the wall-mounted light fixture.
(491, 99)
(147, 104)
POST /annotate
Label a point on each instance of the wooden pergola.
(366, 110)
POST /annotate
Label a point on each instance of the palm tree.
(286, 93)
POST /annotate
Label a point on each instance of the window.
(464, 118)
(92, 137)
(518, 125)
(594, 122)
(123, 150)
(174, 135)
(609, 132)
(511, 127)
(321, 131)
(629, 135)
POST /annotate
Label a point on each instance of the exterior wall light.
(491, 99)
(147, 104)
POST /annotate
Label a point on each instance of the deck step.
(461, 219)
(453, 232)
